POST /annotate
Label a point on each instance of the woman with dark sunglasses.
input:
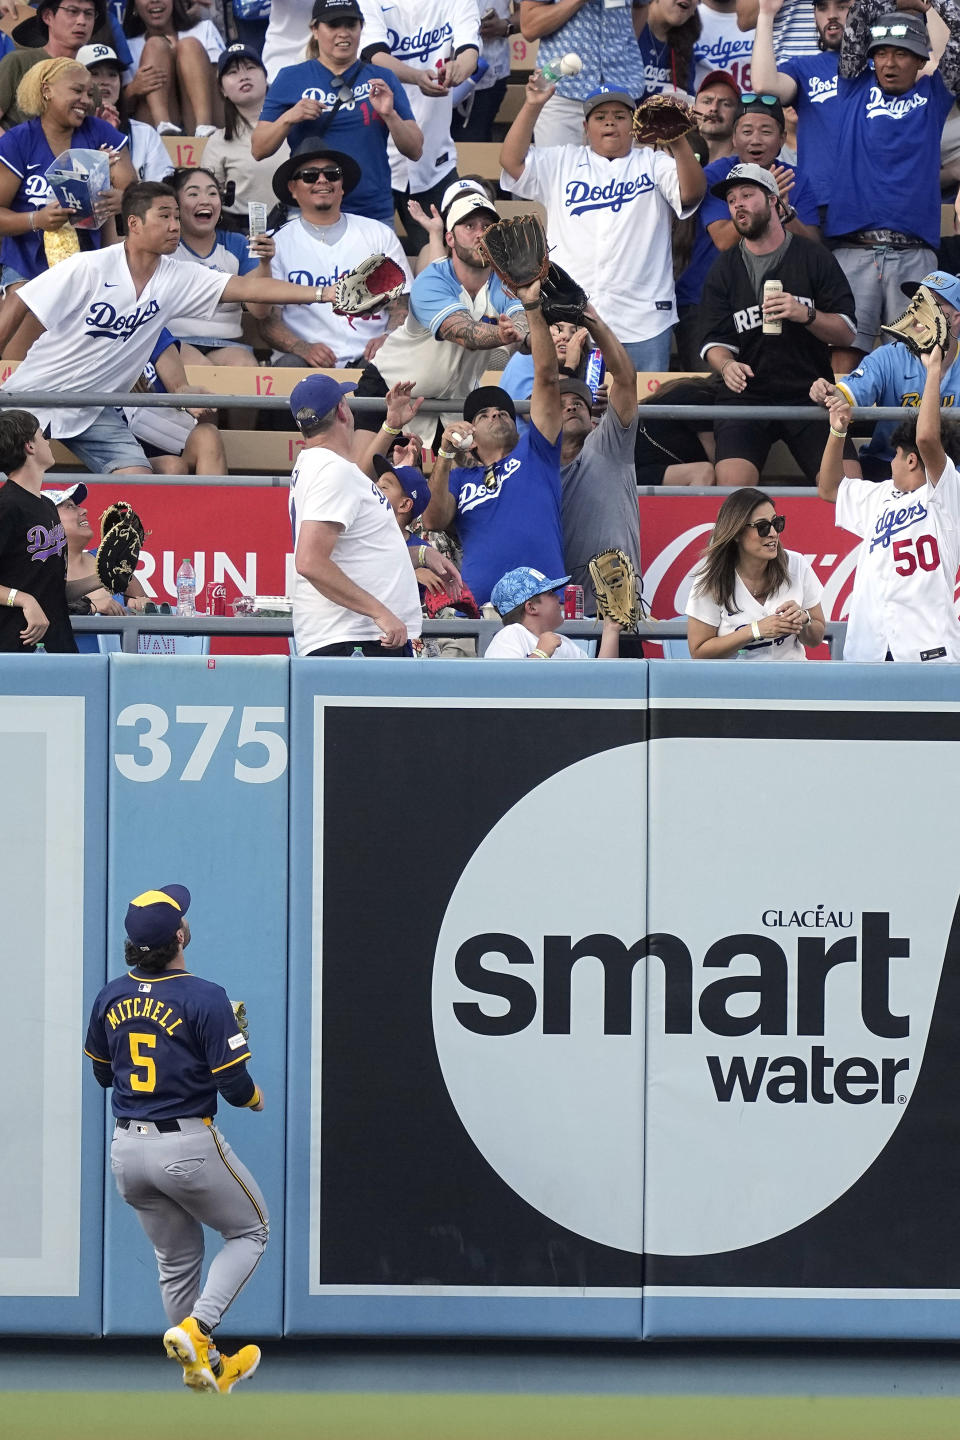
(752, 599)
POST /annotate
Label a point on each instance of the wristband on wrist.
(755, 629)
(446, 454)
(390, 429)
(540, 654)
(422, 558)
(534, 306)
(33, 219)
(12, 596)
(840, 434)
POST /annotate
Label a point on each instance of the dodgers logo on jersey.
(892, 107)
(422, 44)
(581, 196)
(361, 91)
(472, 495)
(36, 189)
(892, 522)
(819, 90)
(43, 544)
(723, 52)
(107, 324)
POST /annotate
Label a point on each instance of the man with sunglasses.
(883, 212)
(809, 83)
(315, 248)
(815, 311)
(343, 101)
(759, 131)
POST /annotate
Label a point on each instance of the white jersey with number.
(722, 46)
(318, 255)
(423, 34)
(610, 223)
(903, 595)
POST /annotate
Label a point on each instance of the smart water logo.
(618, 1057)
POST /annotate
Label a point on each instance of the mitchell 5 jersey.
(903, 595)
(170, 1039)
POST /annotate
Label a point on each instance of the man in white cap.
(458, 302)
(610, 207)
(814, 311)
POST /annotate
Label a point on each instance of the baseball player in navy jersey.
(903, 605)
(168, 1042)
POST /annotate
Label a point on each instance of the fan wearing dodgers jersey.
(722, 45)
(431, 46)
(903, 605)
(316, 248)
(883, 215)
(610, 211)
(101, 314)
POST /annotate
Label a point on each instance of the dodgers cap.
(77, 493)
(413, 482)
(315, 397)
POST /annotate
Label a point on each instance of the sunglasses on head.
(311, 176)
(896, 32)
(749, 99)
(763, 527)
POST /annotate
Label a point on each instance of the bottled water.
(186, 589)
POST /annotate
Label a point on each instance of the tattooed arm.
(461, 329)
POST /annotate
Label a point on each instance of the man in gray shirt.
(597, 469)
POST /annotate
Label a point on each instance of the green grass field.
(151, 1415)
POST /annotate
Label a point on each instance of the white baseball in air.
(570, 64)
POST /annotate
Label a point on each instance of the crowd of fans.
(766, 248)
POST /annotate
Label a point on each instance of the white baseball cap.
(77, 493)
(460, 187)
(97, 55)
(468, 205)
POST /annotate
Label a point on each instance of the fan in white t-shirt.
(528, 604)
(751, 599)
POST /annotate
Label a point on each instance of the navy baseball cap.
(413, 482)
(77, 493)
(942, 284)
(233, 53)
(520, 585)
(484, 396)
(154, 917)
(606, 95)
(315, 397)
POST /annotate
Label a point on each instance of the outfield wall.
(607, 1000)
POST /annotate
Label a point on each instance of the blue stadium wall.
(588, 1000)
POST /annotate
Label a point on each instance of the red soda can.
(216, 593)
(573, 602)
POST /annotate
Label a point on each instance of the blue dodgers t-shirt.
(690, 283)
(815, 77)
(25, 150)
(886, 148)
(517, 521)
(356, 128)
(658, 66)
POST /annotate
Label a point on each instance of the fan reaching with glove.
(923, 326)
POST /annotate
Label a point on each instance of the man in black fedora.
(316, 248)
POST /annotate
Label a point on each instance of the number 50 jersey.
(903, 595)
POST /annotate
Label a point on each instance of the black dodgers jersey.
(168, 1039)
(784, 366)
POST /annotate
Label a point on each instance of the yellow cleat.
(234, 1368)
(187, 1343)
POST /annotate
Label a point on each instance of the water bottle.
(39, 648)
(357, 653)
(186, 589)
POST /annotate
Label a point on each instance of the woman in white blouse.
(751, 598)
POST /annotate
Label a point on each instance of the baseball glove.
(922, 326)
(615, 584)
(661, 118)
(562, 300)
(119, 548)
(368, 288)
(121, 510)
(516, 250)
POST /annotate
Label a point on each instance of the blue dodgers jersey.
(886, 148)
(356, 128)
(167, 1038)
(815, 77)
(26, 152)
(893, 375)
(515, 518)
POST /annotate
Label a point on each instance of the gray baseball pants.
(177, 1183)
